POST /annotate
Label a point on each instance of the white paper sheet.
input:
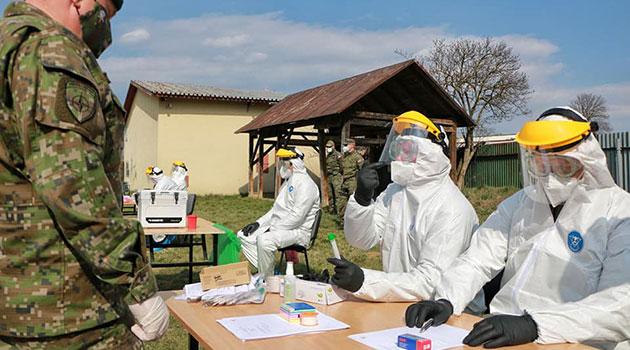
(272, 325)
(442, 337)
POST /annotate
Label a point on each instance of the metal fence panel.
(499, 165)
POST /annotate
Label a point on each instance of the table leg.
(193, 344)
(190, 258)
(215, 250)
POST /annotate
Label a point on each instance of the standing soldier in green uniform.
(73, 272)
(333, 169)
(351, 164)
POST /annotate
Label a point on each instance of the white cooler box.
(162, 208)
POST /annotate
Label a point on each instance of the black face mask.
(97, 31)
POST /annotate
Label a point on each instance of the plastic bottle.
(289, 284)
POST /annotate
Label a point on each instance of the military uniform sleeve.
(64, 131)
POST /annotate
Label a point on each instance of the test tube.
(333, 243)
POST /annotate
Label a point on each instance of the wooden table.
(200, 322)
(204, 227)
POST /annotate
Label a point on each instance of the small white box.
(318, 292)
(162, 208)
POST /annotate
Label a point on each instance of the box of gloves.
(318, 292)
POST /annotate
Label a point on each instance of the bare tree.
(593, 107)
(485, 78)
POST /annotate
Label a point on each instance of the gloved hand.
(420, 312)
(503, 330)
(250, 228)
(347, 275)
(314, 276)
(367, 181)
(152, 318)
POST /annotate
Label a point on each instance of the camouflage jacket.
(333, 163)
(69, 261)
(352, 162)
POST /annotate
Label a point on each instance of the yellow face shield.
(552, 135)
(402, 142)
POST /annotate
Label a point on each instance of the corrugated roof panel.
(163, 89)
(338, 96)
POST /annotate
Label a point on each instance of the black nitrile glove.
(367, 181)
(250, 228)
(347, 275)
(314, 276)
(503, 330)
(418, 313)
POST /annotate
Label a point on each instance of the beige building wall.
(141, 140)
(201, 133)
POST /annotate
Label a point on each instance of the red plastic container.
(191, 221)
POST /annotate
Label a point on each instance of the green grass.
(235, 212)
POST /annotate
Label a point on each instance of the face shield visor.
(551, 162)
(402, 143)
(550, 177)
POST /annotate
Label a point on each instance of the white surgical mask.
(346, 149)
(557, 189)
(329, 150)
(285, 173)
(402, 172)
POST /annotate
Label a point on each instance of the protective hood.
(596, 173)
(298, 165)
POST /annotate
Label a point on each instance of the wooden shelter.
(361, 107)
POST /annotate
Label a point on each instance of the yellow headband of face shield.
(413, 122)
(552, 135)
(284, 153)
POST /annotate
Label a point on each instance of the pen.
(428, 323)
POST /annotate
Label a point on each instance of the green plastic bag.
(229, 246)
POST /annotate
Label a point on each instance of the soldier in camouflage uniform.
(333, 169)
(351, 164)
(73, 272)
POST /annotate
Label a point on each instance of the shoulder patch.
(81, 100)
(575, 242)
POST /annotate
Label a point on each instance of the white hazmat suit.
(421, 228)
(572, 275)
(288, 222)
(179, 178)
(162, 182)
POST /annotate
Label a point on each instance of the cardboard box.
(225, 275)
(413, 342)
(318, 292)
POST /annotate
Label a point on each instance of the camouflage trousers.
(116, 336)
(347, 189)
(334, 191)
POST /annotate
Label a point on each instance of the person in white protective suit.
(290, 219)
(178, 175)
(421, 221)
(160, 181)
(563, 240)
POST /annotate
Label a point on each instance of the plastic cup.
(191, 221)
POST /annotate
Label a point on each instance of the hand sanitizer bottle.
(289, 284)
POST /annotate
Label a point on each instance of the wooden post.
(277, 178)
(452, 148)
(345, 133)
(323, 173)
(250, 166)
(260, 165)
